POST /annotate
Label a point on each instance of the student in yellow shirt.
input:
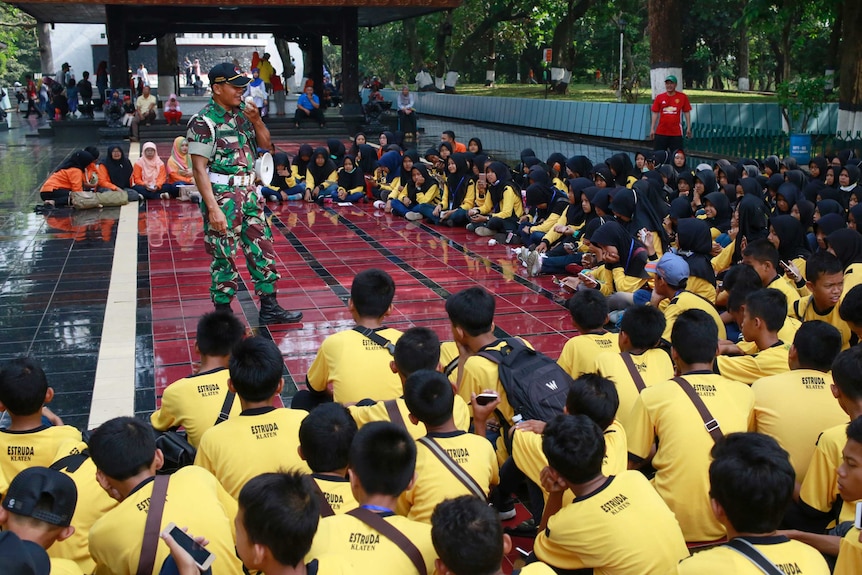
(616, 524)
(850, 311)
(795, 406)
(261, 438)
(469, 539)
(826, 283)
(430, 398)
(350, 365)
(764, 258)
(195, 402)
(751, 484)
(325, 436)
(28, 442)
(763, 316)
(640, 335)
(850, 486)
(382, 464)
(589, 311)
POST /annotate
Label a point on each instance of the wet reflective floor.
(56, 275)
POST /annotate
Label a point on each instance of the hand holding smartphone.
(486, 398)
(202, 557)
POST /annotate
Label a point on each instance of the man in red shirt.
(667, 110)
(32, 98)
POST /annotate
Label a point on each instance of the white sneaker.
(484, 231)
(534, 264)
(414, 216)
(379, 204)
(523, 254)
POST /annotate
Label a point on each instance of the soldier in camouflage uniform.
(222, 139)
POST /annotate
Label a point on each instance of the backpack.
(535, 384)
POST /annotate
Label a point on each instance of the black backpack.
(535, 384)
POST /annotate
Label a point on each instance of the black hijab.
(353, 179)
(279, 181)
(621, 168)
(320, 173)
(80, 159)
(458, 182)
(581, 166)
(367, 158)
(753, 222)
(723, 212)
(575, 215)
(120, 171)
(792, 242)
(336, 151)
(302, 165)
(695, 246)
(633, 254)
(479, 147)
(847, 245)
(412, 190)
(503, 180)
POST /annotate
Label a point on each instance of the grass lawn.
(603, 93)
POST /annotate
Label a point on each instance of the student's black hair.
(429, 397)
(589, 309)
(122, 447)
(742, 276)
(695, 337)
(594, 396)
(574, 446)
(821, 264)
(847, 372)
(23, 386)
(644, 325)
(854, 430)
(817, 345)
(752, 479)
(467, 536)
(472, 310)
(851, 308)
(450, 133)
(256, 367)
(763, 251)
(767, 304)
(218, 332)
(281, 511)
(383, 457)
(417, 348)
(372, 292)
(325, 436)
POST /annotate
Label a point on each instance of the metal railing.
(735, 142)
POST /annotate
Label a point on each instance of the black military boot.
(271, 312)
(223, 307)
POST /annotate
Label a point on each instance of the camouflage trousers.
(247, 226)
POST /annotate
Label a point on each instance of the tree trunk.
(443, 33)
(850, 91)
(46, 56)
(665, 34)
(743, 82)
(480, 30)
(563, 51)
(491, 62)
(413, 51)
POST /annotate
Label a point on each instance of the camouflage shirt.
(231, 150)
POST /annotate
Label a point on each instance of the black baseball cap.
(22, 557)
(227, 73)
(44, 494)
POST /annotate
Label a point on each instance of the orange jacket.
(138, 177)
(68, 179)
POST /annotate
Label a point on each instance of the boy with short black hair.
(795, 406)
(195, 402)
(587, 532)
(261, 438)
(382, 464)
(641, 362)
(589, 311)
(325, 437)
(763, 316)
(850, 486)
(353, 365)
(825, 282)
(27, 442)
(443, 450)
(850, 311)
(127, 459)
(751, 485)
(766, 261)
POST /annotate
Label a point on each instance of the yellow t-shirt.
(794, 407)
(654, 366)
(580, 352)
(664, 411)
(337, 492)
(804, 310)
(684, 301)
(93, 503)
(623, 528)
(852, 278)
(750, 368)
(786, 333)
(194, 403)
(65, 567)
(262, 440)
(435, 482)
(534, 569)
(849, 554)
(34, 448)
(363, 414)
(195, 499)
(367, 550)
(529, 457)
(820, 486)
(356, 367)
(783, 285)
(788, 555)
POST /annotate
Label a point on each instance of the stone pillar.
(166, 48)
(118, 57)
(316, 71)
(46, 57)
(350, 63)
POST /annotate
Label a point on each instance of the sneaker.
(506, 510)
(534, 264)
(379, 204)
(523, 255)
(413, 216)
(485, 231)
(165, 196)
(471, 227)
(527, 528)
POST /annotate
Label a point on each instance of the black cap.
(44, 494)
(22, 557)
(227, 73)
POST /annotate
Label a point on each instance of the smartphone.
(486, 398)
(858, 522)
(642, 235)
(483, 178)
(587, 277)
(201, 556)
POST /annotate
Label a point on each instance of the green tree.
(21, 57)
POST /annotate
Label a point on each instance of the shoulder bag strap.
(633, 371)
(751, 553)
(226, 407)
(394, 413)
(711, 424)
(376, 338)
(325, 508)
(389, 531)
(459, 472)
(450, 367)
(153, 525)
